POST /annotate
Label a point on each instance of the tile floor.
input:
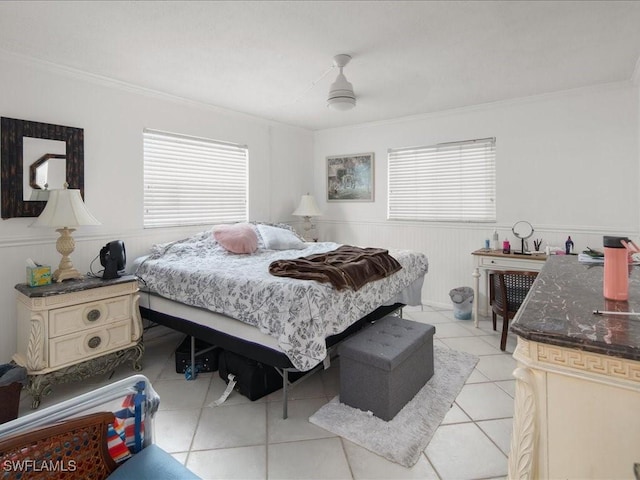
(246, 440)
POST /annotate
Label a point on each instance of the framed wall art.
(350, 178)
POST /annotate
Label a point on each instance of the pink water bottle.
(616, 268)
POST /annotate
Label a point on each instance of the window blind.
(193, 181)
(445, 182)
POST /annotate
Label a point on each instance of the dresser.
(485, 260)
(75, 329)
(577, 394)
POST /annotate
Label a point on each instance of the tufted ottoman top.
(387, 343)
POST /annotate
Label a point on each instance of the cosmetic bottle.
(568, 245)
(506, 247)
(495, 244)
(616, 268)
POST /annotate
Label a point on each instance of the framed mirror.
(49, 151)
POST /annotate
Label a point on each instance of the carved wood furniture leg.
(40, 384)
(136, 355)
(522, 456)
(38, 387)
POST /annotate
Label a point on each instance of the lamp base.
(65, 246)
(62, 275)
(310, 234)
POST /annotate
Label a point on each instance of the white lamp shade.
(307, 207)
(65, 208)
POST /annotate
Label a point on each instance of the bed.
(197, 286)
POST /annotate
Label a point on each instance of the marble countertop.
(70, 286)
(559, 310)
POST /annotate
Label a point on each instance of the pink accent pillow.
(236, 238)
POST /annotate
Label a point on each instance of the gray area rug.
(403, 439)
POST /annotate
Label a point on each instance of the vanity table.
(577, 400)
(485, 260)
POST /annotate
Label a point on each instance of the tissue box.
(37, 276)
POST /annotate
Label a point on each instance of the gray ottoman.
(383, 366)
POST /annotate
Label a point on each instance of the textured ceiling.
(274, 59)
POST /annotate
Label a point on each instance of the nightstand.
(76, 329)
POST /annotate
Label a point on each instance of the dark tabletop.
(559, 310)
(69, 286)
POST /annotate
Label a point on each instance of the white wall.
(566, 162)
(113, 118)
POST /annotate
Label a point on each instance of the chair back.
(510, 289)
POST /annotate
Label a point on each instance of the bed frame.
(258, 352)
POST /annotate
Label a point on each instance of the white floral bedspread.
(299, 313)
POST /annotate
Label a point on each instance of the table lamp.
(306, 209)
(65, 209)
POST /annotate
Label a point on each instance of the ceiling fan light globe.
(341, 103)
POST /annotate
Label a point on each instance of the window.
(193, 181)
(445, 182)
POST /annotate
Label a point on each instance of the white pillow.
(275, 238)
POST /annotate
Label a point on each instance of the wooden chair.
(75, 448)
(507, 291)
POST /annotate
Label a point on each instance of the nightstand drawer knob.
(94, 342)
(93, 315)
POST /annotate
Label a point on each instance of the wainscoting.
(449, 246)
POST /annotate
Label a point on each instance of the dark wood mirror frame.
(11, 148)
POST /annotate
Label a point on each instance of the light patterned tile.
(463, 451)
(472, 345)
(484, 401)
(310, 459)
(508, 386)
(455, 415)
(182, 393)
(174, 429)
(241, 463)
(366, 465)
(231, 426)
(497, 367)
(296, 426)
(449, 330)
(477, 377)
(499, 431)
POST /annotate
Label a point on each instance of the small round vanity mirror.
(522, 230)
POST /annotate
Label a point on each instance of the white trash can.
(462, 298)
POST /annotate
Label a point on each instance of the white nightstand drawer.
(63, 321)
(524, 263)
(80, 346)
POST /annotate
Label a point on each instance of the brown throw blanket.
(344, 267)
